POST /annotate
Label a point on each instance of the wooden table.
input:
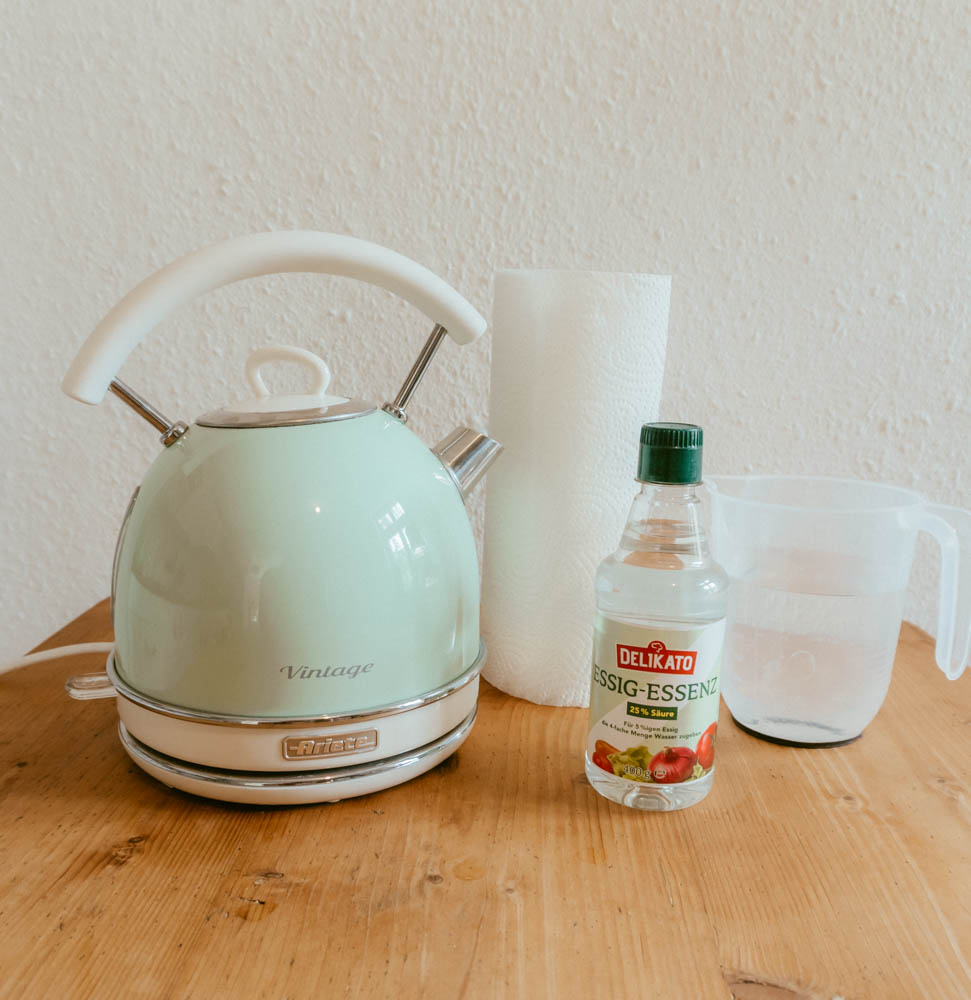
(804, 874)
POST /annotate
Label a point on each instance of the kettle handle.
(160, 294)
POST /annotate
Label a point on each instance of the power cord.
(78, 649)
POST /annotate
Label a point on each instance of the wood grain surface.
(501, 874)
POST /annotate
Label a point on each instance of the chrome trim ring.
(288, 418)
(338, 719)
(143, 754)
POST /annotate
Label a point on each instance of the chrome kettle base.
(294, 787)
(238, 743)
(289, 760)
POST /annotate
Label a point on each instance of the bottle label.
(654, 700)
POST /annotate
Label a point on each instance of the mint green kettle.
(295, 590)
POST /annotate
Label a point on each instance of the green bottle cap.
(670, 453)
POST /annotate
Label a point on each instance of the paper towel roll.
(577, 366)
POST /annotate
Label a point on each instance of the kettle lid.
(267, 409)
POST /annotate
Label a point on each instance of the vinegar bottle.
(658, 638)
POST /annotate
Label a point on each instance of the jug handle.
(151, 301)
(951, 528)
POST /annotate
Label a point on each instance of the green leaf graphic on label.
(632, 764)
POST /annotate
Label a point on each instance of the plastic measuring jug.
(819, 570)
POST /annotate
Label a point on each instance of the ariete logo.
(657, 658)
(297, 747)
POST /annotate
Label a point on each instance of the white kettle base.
(286, 788)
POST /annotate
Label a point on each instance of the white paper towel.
(577, 367)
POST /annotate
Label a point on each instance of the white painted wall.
(802, 169)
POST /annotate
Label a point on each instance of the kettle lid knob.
(282, 352)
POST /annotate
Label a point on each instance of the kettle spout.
(467, 454)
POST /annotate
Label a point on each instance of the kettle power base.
(294, 787)
(270, 744)
(288, 761)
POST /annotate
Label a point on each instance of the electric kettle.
(295, 588)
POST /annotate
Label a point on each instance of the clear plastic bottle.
(661, 604)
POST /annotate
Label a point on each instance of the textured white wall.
(802, 169)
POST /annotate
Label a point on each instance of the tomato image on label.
(705, 750)
(672, 764)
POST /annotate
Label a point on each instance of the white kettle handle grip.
(159, 295)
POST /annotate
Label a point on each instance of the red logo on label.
(656, 658)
